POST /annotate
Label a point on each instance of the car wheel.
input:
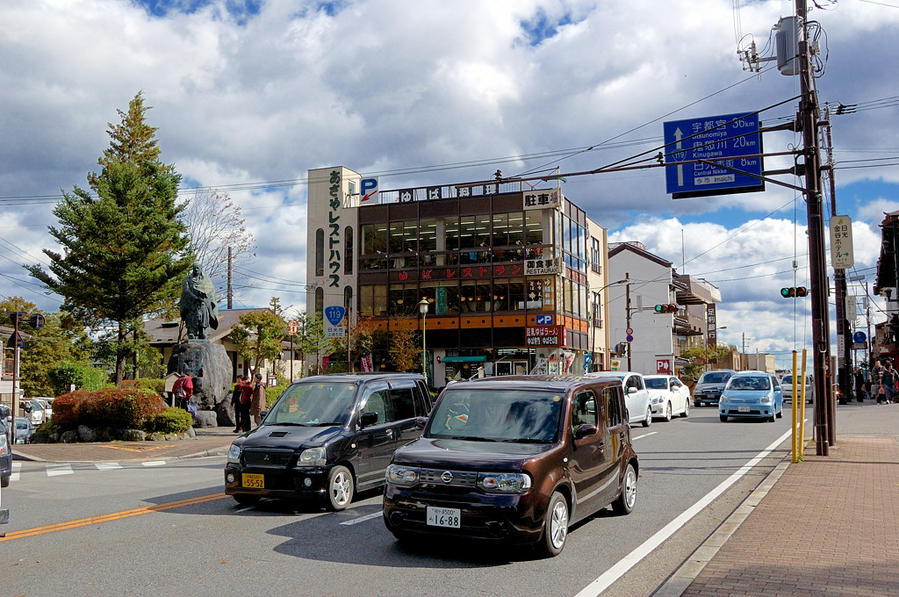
(723, 418)
(625, 501)
(245, 499)
(697, 403)
(555, 525)
(773, 416)
(781, 413)
(340, 488)
(686, 412)
(648, 420)
(668, 412)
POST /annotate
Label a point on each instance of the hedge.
(120, 408)
(171, 420)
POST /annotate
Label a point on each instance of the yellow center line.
(72, 524)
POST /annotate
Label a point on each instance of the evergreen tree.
(258, 335)
(125, 251)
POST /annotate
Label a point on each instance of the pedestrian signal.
(793, 292)
(665, 308)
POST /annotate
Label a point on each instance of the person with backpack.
(888, 378)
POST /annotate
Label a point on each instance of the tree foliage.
(700, 357)
(311, 340)
(405, 350)
(257, 336)
(124, 249)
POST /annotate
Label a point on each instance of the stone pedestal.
(209, 366)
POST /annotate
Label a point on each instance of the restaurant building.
(515, 277)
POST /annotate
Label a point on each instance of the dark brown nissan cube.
(515, 459)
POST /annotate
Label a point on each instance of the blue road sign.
(588, 359)
(629, 338)
(544, 319)
(721, 140)
(335, 314)
(859, 337)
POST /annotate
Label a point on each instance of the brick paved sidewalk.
(828, 526)
(208, 442)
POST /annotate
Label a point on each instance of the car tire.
(340, 488)
(697, 403)
(686, 412)
(668, 413)
(648, 420)
(245, 499)
(555, 525)
(723, 418)
(773, 417)
(780, 414)
(627, 497)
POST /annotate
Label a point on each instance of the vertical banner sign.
(334, 230)
(841, 253)
(441, 300)
(711, 319)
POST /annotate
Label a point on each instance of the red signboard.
(663, 366)
(547, 335)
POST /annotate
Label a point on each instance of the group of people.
(879, 383)
(248, 399)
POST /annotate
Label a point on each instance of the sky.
(249, 95)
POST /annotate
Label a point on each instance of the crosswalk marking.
(63, 469)
(107, 466)
(16, 469)
(154, 463)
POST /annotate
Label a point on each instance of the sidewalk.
(826, 526)
(210, 441)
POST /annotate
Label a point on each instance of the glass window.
(410, 237)
(395, 299)
(483, 298)
(583, 411)
(611, 398)
(348, 250)
(396, 237)
(566, 233)
(403, 403)
(374, 238)
(320, 252)
(466, 233)
(583, 309)
(467, 294)
(597, 310)
(568, 297)
(366, 300)
(451, 225)
(380, 300)
(500, 230)
(377, 403)
(319, 300)
(428, 238)
(500, 295)
(482, 230)
(516, 294)
(314, 403)
(534, 226)
(348, 299)
(516, 228)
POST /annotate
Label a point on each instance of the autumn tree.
(311, 339)
(405, 350)
(124, 248)
(257, 336)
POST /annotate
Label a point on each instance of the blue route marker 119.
(725, 140)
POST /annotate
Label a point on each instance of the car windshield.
(488, 414)
(314, 403)
(656, 383)
(754, 382)
(715, 377)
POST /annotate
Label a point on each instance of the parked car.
(787, 386)
(668, 396)
(24, 431)
(754, 394)
(47, 404)
(327, 437)
(514, 459)
(710, 385)
(5, 456)
(34, 411)
(635, 395)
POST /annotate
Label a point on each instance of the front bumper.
(707, 398)
(279, 482)
(754, 410)
(516, 518)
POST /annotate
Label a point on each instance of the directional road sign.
(841, 253)
(722, 140)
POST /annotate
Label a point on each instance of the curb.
(683, 577)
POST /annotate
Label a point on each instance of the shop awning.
(470, 359)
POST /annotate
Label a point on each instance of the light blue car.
(751, 394)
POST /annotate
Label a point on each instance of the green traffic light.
(786, 292)
(658, 308)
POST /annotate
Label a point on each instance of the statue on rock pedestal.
(198, 309)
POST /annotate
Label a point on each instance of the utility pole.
(844, 360)
(230, 293)
(870, 342)
(627, 309)
(808, 124)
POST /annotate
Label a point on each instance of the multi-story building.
(506, 271)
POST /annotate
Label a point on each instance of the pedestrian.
(246, 397)
(183, 389)
(258, 403)
(235, 404)
(867, 384)
(888, 378)
(859, 385)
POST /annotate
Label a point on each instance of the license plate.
(743, 409)
(253, 480)
(444, 517)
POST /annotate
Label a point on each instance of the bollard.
(802, 411)
(795, 412)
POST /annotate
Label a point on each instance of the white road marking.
(244, 509)
(63, 469)
(362, 518)
(154, 463)
(630, 560)
(644, 435)
(107, 466)
(16, 469)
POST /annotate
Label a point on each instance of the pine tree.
(125, 251)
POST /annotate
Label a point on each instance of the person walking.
(889, 381)
(235, 404)
(258, 402)
(246, 397)
(859, 385)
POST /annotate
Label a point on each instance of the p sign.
(663, 366)
(369, 188)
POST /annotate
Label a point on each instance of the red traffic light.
(801, 291)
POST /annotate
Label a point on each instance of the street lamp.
(423, 309)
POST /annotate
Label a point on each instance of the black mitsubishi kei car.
(327, 437)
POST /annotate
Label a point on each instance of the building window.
(533, 227)
(597, 310)
(319, 300)
(348, 250)
(348, 299)
(320, 252)
(595, 256)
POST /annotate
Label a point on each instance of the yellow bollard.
(795, 413)
(802, 411)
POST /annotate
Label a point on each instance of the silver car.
(710, 385)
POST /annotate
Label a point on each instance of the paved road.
(154, 528)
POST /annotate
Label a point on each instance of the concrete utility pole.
(627, 309)
(230, 293)
(808, 124)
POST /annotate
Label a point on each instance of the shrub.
(273, 393)
(171, 420)
(119, 408)
(155, 385)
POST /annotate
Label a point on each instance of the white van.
(787, 385)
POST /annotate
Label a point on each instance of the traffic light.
(665, 308)
(793, 292)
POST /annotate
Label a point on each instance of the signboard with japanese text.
(335, 331)
(293, 327)
(542, 267)
(543, 336)
(540, 294)
(841, 253)
(473, 272)
(334, 244)
(542, 198)
(731, 140)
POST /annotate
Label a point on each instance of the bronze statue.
(198, 309)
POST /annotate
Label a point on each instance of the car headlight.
(404, 476)
(234, 453)
(766, 399)
(504, 482)
(312, 457)
(722, 399)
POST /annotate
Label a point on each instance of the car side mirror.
(263, 414)
(368, 419)
(632, 390)
(584, 430)
(421, 421)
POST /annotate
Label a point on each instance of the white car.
(787, 384)
(636, 396)
(668, 396)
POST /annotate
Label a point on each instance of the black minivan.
(327, 437)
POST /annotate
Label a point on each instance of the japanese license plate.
(444, 517)
(743, 409)
(253, 480)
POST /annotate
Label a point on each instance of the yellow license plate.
(252, 480)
